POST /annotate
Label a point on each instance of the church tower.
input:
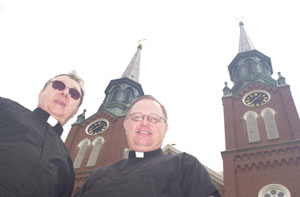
(262, 128)
(100, 139)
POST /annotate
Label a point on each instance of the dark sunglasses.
(58, 85)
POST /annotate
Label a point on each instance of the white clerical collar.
(139, 154)
(52, 121)
(136, 154)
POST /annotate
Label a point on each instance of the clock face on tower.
(97, 126)
(256, 98)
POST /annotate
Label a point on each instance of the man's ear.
(41, 92)
(166, 128)
(39, 99)
(125, 125)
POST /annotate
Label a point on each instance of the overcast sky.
(184, 60)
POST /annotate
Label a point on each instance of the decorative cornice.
(82, 178)
(255, 166)
(256, 86)
(102, 114)
(267, 83)
(269, 153)
(266, 159)
(259, 148)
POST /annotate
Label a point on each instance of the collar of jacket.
(135, 154)
(46, 117)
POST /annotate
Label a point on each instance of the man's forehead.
(68, 80)
(147, 105)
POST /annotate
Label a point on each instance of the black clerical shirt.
(33, 159)
(150, 174)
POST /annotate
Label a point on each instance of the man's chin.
(57, 113)
(144, 148)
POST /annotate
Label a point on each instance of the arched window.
(250, 66)
(97, 143)
(274, 190)
(270, 123)
(80, 155)
(263, 67)
(252, 128)
(115, 93)
(242, 72)
(128, 95)
(237, 73)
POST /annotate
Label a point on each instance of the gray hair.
(76, 78)
(148, 97)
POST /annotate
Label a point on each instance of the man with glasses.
(148, 172)
(33, 159)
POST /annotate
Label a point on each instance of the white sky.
(184, 61)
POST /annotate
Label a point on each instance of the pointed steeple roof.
(249, 66)
(121, 92)
(133, 69)
(245, 42)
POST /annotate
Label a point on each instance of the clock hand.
(256, 98)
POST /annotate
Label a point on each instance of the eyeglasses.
(59, 85)
(151, 117)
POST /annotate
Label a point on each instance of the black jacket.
(151, 175)
(34, 161)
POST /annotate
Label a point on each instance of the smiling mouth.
(144, 132)
(60, 103)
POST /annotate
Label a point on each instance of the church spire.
(245, 43)
(249, 65)
(121, 92)
(133, 69)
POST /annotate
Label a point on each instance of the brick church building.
(262, 129)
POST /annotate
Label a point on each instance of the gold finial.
(240, 19)
(141, 41)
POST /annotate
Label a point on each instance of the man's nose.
(65, 91)
(145, 120)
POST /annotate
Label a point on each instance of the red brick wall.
(247, 171)
(248, 167)
(111, 151)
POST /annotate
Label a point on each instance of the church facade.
(100, 139)
(262, 129)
